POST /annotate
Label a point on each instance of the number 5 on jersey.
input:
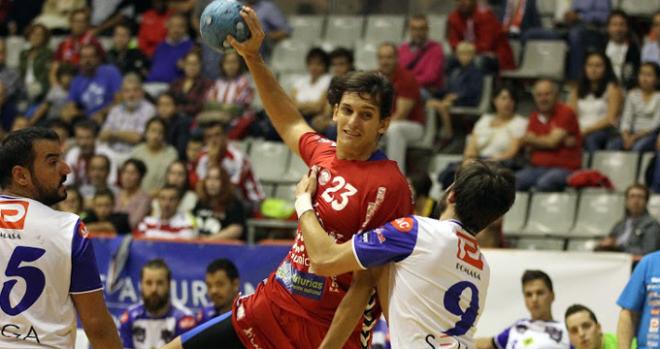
(340, 188)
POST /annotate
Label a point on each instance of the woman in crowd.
(155, 153)
(131, 199)
(219, 214)
(178, 125)
(191, 89)
(597, 100)
(233, 95)
(309, 91)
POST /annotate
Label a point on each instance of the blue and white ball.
(221, 18)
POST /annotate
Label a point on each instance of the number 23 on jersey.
(339, 191)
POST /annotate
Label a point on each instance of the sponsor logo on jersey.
(12, 214)
(124, 317)
(324, 177)
(82, 230)
(249, 333)
(468, 250)
(380, 236)
(403, 225)
(299, 282)
(187, 322)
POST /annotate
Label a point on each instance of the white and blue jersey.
(140, 330)
(437, 282)
(45, 257)
(642, 295)
(534, 334)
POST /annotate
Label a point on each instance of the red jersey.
(351, 196)
(568, 157)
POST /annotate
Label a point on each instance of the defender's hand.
(308, 183)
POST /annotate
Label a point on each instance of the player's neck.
(348, 153)
(160, 312)
(17, 192)
(449, 213)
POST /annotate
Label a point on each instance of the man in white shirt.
(540, 331)
(45, 255)
(426, 266)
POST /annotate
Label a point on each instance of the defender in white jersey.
(47, 264)
(433, 285)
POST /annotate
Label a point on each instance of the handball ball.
(221, 18)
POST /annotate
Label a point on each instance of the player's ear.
(384, 125)
(451, 197)
(21, 176)
(335, 108)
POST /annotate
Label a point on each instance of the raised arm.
(281, 109)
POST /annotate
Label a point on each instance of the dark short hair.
(157, 263)
(88, 125)
(656, 70)
(223, 264)
(138, 164)
(531, 275)
(35, 26)
(418, 17)
(640, 186)
(156, 119)
(484, 191)
(320, 54)
(576, 308)
(105, 192)
(421, 183)
(17, 149)
(508, 87)
(617, 12)
(369, 85)
(66, 69)
(168, 186)
(342, 52)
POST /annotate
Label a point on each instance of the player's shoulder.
(134, 312)
(179, 310)
(184, 318)
(29, 207)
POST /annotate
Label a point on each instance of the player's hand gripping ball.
(221, 18)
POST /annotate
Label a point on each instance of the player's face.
(155, 289)
(538, 299)
(583, 331)
(222, 290)
(358, 124)
(48, 173)
(169, 201)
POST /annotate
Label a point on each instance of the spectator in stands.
(407, 119)
(18, 15)
(641, 113)
(463, 88)
(274, 24)
(495, 137)
(35, 63)
(639, 305)
(156, 155)
(477, 24)
(223, 284)
(423, 57)
(540, 330)
(70, 50)
(98, 172)
(309, 92)
(55, 14)
(153, 27)
(177, 176)
(62, 130)
(622, 48)
(219, 215)
(425, 205)
(585, 331)
(170, 223)
(637, 233)
(520, 18)
(166, 57)
(178, 125)
(156, 320)
(234, 94)
(131, 199)
(86, 146)
(106, 14)
(341, 61)
(8, 110)
(101, 219)
(57, 97)
(597, 100)
(10, 77)
(190, 90)
(237, 164)
(127, 121)
(194, 149)
(585, 21)
(127, 59)
(93, 89)
(553, 139)
(73, 202)
(651, 50)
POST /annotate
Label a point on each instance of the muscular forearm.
(349, 311)
(319, 245)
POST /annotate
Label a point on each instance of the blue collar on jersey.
(377, 155)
